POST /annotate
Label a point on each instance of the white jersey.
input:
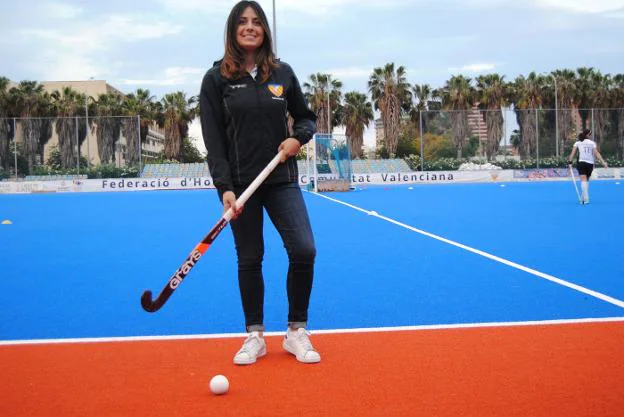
(586, 150)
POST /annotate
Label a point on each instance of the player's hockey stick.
(578, 195)
(176, 279)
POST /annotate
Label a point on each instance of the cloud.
(328, 8)
(196, 136)
(474, 68)
(582, 6)
(350, 72)
(104, 34)
(579, 6)
(309, 7)
(204, 6)
(47, 39)
(171, 76)
(616, 14)
(318, 7)
(55, 10)
(65, 66)
(79, 50)
(130, 28)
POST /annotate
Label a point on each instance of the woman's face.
(249, 34)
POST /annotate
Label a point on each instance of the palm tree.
(135, 129)
(4, 124)
(527, 98)
(48, 113)
(584, 81)
(568, 104)
(549, 116)
(617, 102)
(424, 95)
(130, 129)
(67, 103)
(108, 127)
(324, 95)
(29, 99)
(177, 113)
(491, 94)
(458, 97)
(147, 110)
(357, 113)
(391, 95)
(601, 92)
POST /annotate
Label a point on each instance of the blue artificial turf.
(75, 265)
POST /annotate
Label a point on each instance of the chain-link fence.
(440, 140)
(75, 146)
(512, 138)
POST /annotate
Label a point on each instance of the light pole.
(556, 118)
(15, 147)
(274, 31)
(87, 122)
(329, 123)
(87, 127)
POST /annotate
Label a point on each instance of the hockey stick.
(578, 195)
(176, 279)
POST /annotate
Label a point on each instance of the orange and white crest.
(276, 89)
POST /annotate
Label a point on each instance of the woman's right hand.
(229, 201)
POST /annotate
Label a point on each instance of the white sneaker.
(298, 343)
(253, 348)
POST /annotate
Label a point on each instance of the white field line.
(532, 271)
(584, 290)
(333, 331)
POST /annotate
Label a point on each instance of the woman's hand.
(290, 147)
(229, 201)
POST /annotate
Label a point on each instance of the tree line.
(388, 92)
(110, 115)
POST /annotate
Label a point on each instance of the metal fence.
(115, 147)
(74, 146)
(508, 137)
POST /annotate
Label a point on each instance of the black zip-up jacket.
(244, 121)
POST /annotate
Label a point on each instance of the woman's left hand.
(290, 147)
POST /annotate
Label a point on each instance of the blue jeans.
(286, 208)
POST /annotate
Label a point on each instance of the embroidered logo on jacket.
(276, 89)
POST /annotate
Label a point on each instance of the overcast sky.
(167, 45)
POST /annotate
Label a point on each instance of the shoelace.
(302, 338)
(249, 342)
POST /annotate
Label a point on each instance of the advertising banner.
(396, 178)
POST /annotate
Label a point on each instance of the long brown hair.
(584, 134)
(232, 66)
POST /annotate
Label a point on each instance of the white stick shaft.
(240, 201)
(574, 182)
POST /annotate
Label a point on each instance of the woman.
(587, 152)
(244, 102)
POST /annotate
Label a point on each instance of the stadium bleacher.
(358, 166)
(199, 169)
(54, 177)
(366, 166)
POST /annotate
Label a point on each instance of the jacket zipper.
(235, 140)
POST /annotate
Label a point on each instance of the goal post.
(331, 163)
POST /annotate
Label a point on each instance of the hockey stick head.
(176, 279)
(147, 303)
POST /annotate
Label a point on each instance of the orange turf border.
(554, 370)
